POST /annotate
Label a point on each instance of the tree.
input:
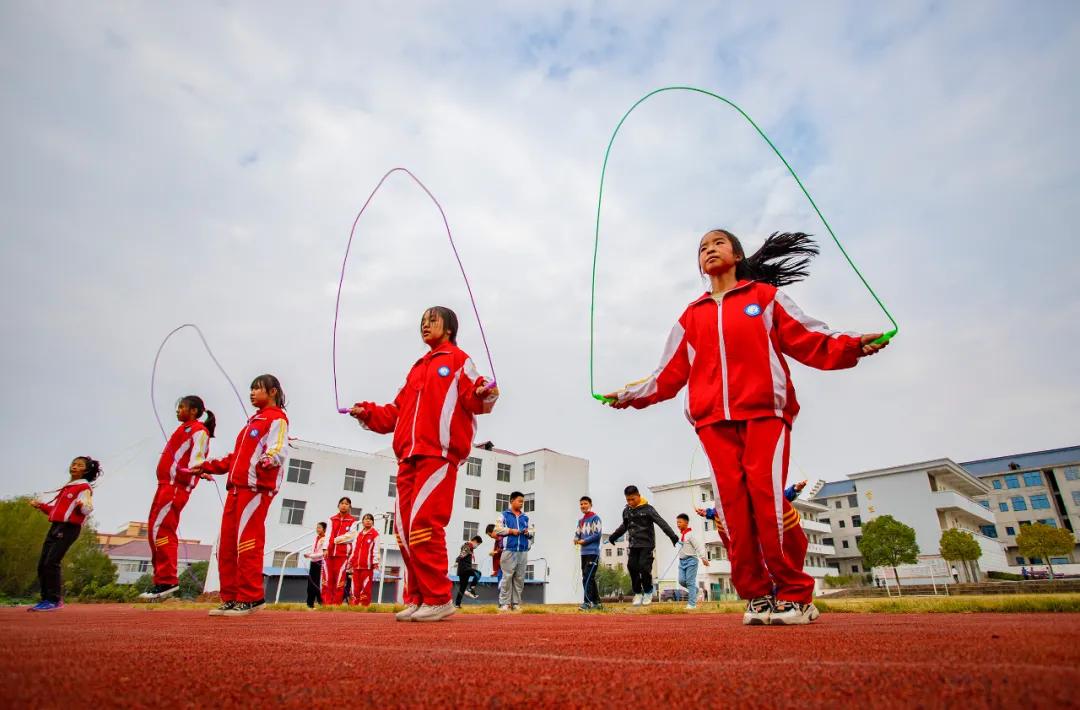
(612, 580)
(959, 545)
(887, 542)
(22, 532)
(1043, 541)
(193, 579)
(85, 565)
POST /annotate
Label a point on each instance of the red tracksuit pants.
(333, 579)
(240, 551)
(749, 460)
(362, 582)
(164, 519)
(425, 500)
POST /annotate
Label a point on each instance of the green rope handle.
(886, 337)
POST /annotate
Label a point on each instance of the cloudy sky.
(202, 163)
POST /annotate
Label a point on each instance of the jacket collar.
(707, 296)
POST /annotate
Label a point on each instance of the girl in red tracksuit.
(728, 348)
(363, 561)
(254, 467)
(187, 447)
(336, 548)
(67, 511)
(433, 419)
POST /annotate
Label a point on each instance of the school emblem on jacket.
(752, 310)
(187, 430)
(444, 371)
(254, 434)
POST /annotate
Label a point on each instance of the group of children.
(343, 558)
(728, 349)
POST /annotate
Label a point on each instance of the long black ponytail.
(196, 403)
(784, 258)
(93, 469)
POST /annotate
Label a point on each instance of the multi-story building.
(134, 531)
(682, 497)
(1036, 487)
(844, 518)
(319, 474)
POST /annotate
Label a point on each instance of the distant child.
(513, 527)
(638, 518)
(314, 582)
(336, 549)
(689, 554)
(363, 561)
(67, 511)
(468, 575)
(496, 552)
(587, 538)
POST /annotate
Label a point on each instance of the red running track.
(119, 656)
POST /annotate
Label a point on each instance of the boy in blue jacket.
(587, 537)
(513, 527)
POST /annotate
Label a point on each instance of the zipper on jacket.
(723, 351)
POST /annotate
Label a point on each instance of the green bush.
(193, 579)
(1006, 576)
(836, 581)
(110, 592)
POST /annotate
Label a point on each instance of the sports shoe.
(504, 608)
(220, 611)
(245, 608)
(691, 607)
(47, 606)
(406, 613)
(793, 613)
(471, 594)
(758, 611)
(646, 599)
(516, 608)
(585, 607)
(160, 591)
(637, 600)
(434, 612)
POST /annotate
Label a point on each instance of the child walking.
(255, 468)
(690, 551)
(436, 410)
(729, 348)
(363, 561)
(67, 511)
(188, 446)
(638, 518)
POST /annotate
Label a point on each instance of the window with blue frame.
(1049, 521)
(1012, 481)
(1010, 530)
(1036, 560)
(1019, 503)
(1059, 560)
(1032, 478)
(1019, 560)
(985, 504)
(1040, 502)
(1003, 507)
(1072, 473)
(997, 484)
(988, 530)
(1076, 497)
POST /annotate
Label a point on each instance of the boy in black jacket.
(638, 518)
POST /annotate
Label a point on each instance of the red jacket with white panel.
(72, 503)
(258, 458)
(730, 353)
(342, 527)
(365, 552)
(434, 414)
(187, 447)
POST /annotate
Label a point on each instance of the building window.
(392, 491)
(824, 521)
(1036, 560)
(280, 555)
(502, 472)
(472, 467)
(472, 498)
(355, 512)
(844, 544)
(530, 502)
(299, 471)
(292, 511)
(1059, 560)
(1072, 473)
(997, 484)
(354, 480)
(856, 521)
(502, 502)
(853, 501)
(1032, 478)
(858, 539)
(988, 530)
(827, 541)
(842, 523)
(855, 569)
(1019, 503)
(1049, 521)
(838, 504)
(530, 572)
(607, 552)
(1012, 481)
(618, 551)
(530, 471)
(1076, 497)
(1040, 502)
(1019, 560)
(388, 524)
(985, 503)
(708, 524)
(1010, 530)
(1003, 507)
(470, 530)
(1025, 522)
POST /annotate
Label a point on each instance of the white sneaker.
(637, 600)
(504, 608)
(691, 607)
(793, 613)
(406, 613)
(646, 599)
(429, 612)
(471, 594)
(758, 611)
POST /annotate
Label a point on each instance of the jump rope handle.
(886, 337)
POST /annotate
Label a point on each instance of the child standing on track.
(729, 347)
(513, 527)
(363, 561)
(67, 511)
(638, 518)
(338, 545)
(436, 410)
(496, 552)
(314, 582)
(689, 553)
(587, 538)
(254, 469)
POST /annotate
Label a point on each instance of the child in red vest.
(188, 446)
(363, 561)
(336, 549)
(728, 348)
(433, 419)
(67, 511)
(255, 468)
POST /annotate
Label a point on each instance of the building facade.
(844, 517)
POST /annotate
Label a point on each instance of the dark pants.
(60, 537)
(640, 567)
(467, 577)
(314, 584)
(589, 564)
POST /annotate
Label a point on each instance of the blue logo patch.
(254, 434)
(752, 310)
(187, 430)
(444, 371)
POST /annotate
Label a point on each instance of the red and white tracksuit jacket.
(730, 354)
(187, 447)
(335, 556)
(71, 504)
(363, 561)
(254, 469)
(433, 419)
